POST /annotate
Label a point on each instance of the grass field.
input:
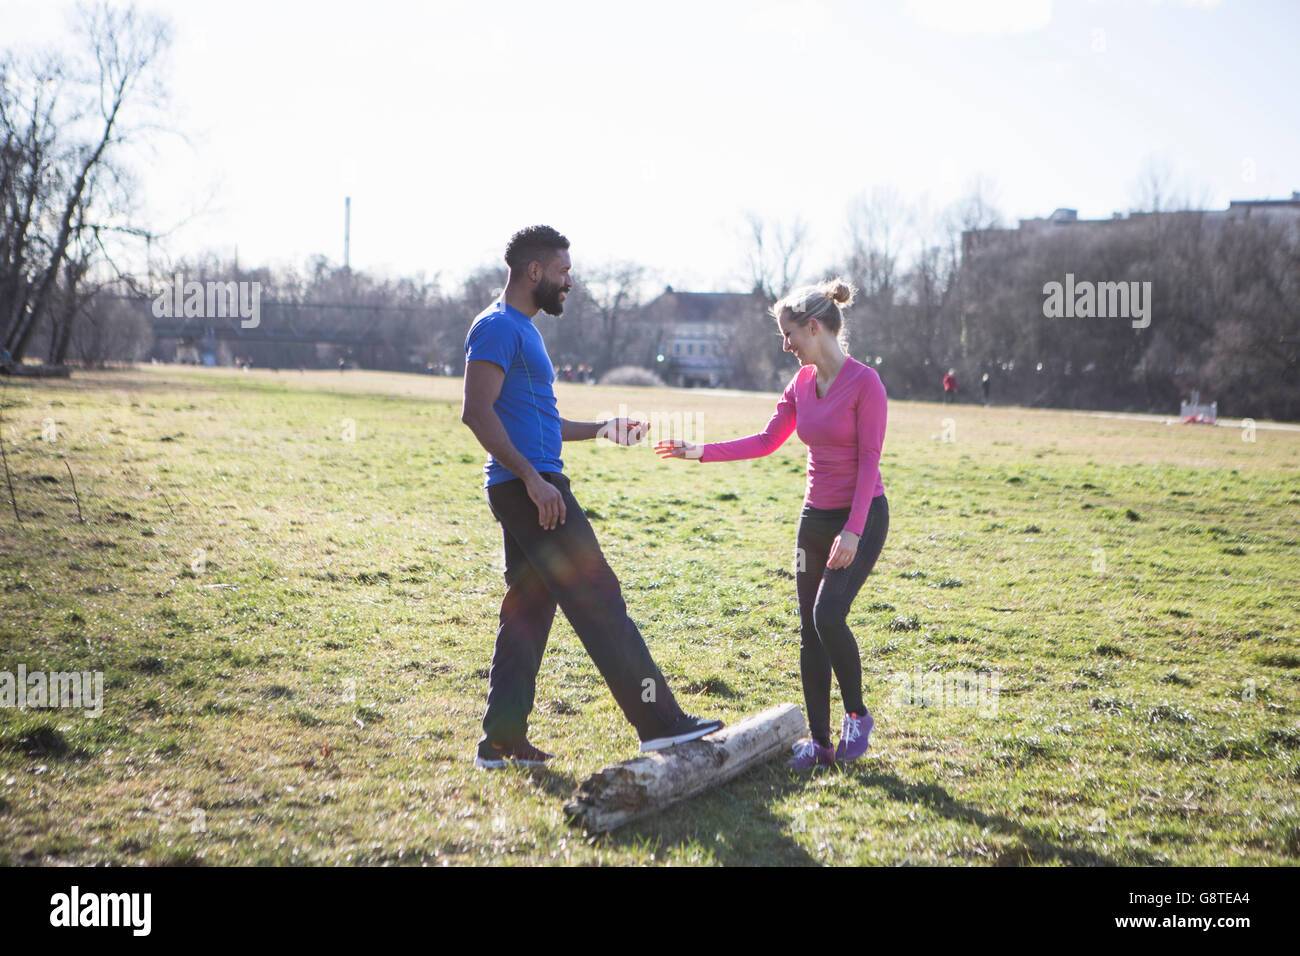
(290, 583)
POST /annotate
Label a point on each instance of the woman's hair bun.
(839, 291)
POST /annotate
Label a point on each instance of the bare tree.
(28, 97)
(978, 206)
(877, 223)
(614, 293)
(61, 136)
(774, 254)
(1154, 191)
(116, 329)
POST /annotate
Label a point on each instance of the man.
(552, 556)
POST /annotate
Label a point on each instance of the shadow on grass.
(734, 824)
(1034, 846)
(553, 783)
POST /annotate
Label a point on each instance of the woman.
(838, 406)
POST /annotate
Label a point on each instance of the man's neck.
(520, 299)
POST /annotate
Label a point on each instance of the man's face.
(554, 283)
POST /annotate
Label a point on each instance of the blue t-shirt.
(526, 406)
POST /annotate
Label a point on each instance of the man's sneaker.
(497, 756)
(855, 737)
(686, 728)
(808, 753)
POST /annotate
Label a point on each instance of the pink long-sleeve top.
(844, 432)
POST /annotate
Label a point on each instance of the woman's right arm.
(772, 437)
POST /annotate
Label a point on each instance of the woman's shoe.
(808, 753)
(855, 738)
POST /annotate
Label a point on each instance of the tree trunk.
(635, 788)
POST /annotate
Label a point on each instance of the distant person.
(984, 387)
(838, 406)
(950, 386)
(342, 364)
(552, 556)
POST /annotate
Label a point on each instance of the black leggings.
(825, 596)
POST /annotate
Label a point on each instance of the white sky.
(646, 131)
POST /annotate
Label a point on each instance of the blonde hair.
(823, 302)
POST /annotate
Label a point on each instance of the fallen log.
(636, 788)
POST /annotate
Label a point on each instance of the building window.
(690, 348)
(677, 348)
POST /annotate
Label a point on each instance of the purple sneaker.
(856, 736)
(808, 753)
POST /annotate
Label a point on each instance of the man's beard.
(547, 297)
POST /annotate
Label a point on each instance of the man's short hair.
(534, 244)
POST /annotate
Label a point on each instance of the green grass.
(295, 628)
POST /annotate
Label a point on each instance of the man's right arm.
(483, 382)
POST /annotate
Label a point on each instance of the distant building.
(1283, 212)
(690, 334)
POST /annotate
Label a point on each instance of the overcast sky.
(647, 131)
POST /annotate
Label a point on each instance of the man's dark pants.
(564, 566)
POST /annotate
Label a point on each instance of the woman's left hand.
(843, 550)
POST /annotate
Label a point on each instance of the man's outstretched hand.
(623, 431)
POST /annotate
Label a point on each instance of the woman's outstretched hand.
(676, 448)
(843, 550)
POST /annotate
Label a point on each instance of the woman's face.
(799, 340)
